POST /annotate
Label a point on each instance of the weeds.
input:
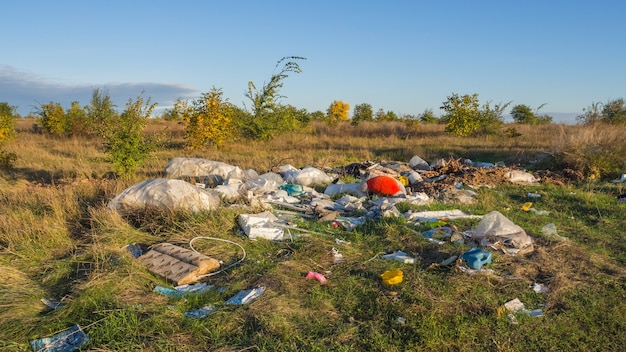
(58, 240)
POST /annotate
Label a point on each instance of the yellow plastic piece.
(526, 206)
(392, 277)
(403, 180)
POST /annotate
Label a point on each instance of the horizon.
(401, 56)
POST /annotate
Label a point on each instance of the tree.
(465, 117)
(7, 123)
(265, 121)
(462, 115)
(76, 122)
(52, 118)
(123, 139)
(7, 133)
(614, 112)
(8, 110)
(525, 115)
(100, 112)
(428, 116)
(337, 111)
(491, 119)
(208, 120)
(591, 114)
(362, 112)
(611, 112)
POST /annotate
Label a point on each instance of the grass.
(58, 240)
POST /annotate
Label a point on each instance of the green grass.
(58, 240)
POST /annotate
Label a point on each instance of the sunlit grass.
(59, 240)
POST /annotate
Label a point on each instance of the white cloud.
(27, 90)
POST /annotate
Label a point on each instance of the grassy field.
(59, 240)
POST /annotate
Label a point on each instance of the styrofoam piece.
(261, 226)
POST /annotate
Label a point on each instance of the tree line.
(211, 120)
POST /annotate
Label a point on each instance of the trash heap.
(196, 184)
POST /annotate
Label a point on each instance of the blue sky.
(401, 56)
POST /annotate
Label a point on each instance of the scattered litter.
(549, 230)
(52, 303)
(201, 312)
(292, 189)
(449, 261)
(340, 241)
(65, 341)
(262, 225)
(476, 258)
(317, 276)
(418, 163)
(540, 288)
(522, 177)
(512, 318)
(514, 305)
(470, 271)
(337, 257)
(246, 296)
(436, 215)
(527, 206)
(177, 264)
(621, 179)
(135, 250)
(165, 193)
(401, 320)
(179, 291)
(539, 212)
(497, 231)
(392, 277)
(308, 176)
(400, 256)
(429, 239)
(533, 195)
(384, 186)
(354, 189)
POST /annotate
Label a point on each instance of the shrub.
(362, 112)
(52, 118)
(337, 111)
(465, 117)
(525, 115)
(613, 112)
(123, 140)
(268, 118)
(208, 120)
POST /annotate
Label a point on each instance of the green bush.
(123, 141)
(268, 117)
(465, 117)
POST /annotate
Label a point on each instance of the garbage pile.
(196, 184)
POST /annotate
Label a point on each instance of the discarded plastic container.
(292, 189)
(317, 276)
(246, 296)
(622, 178)
(392, 277)
(533, 195)
(201, 312)
(549, 230)
(400, 256)
(414, 177)
(476, 258)
(67, 340)
(526, 206)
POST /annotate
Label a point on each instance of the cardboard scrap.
(177, 264)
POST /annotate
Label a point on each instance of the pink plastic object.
(317, 276)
